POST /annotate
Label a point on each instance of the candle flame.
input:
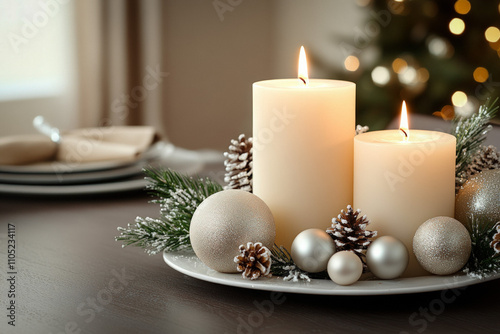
(403, 125)
(303, 75)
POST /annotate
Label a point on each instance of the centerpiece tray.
(187, 262)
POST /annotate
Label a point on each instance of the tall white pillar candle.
(303, 151)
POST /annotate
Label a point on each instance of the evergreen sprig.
(471, 133)
(483, 260)
(179, 196)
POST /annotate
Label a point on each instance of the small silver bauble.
(442, 245)
(387, 257)
(345, 268)
(480, 198)
(226, 220)
(311, 250)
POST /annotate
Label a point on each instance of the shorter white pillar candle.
(399, 183)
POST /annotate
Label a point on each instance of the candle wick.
(405, 133)
(303, 80)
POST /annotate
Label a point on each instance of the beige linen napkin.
(117, 143)
(27, 149)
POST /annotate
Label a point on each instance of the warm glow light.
(459, 99)
(381, 76)
(303, 75)
(462, 7)
(423, 74)
(457, 26)
(399, 65)
(492, 34)
(481, 74)
(403, 125)
(351, 63)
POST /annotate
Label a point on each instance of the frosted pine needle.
(178, 197)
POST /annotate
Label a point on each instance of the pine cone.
(254, 261)
(239, 163)
(350, 234)
(487, 157)
(495, 244)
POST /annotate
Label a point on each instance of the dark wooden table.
(74, 278)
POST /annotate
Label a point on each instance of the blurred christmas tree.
(437, 55)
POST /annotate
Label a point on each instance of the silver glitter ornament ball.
(387, 257)
(442, 245)
(226, 220)
(480, 198)
(311, 250)
(345, 268)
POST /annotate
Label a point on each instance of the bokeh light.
(481, 74)
(492, 34)
(457, 26)
(399, 65)
(438, 47)
(351, 63)
(423, 74)
(408, 76)
(459, 99)
(462, 7)
(381, 75)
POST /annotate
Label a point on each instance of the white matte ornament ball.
(442, 245)
(311, 250)
(345, 268)
(226, 220)
(387, 257)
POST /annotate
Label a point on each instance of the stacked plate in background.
(58, 179)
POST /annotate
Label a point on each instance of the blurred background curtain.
(119, 44)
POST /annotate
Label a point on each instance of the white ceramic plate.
(188, 264)
(77, 189)
(51, 167)
(71, 178)
(178, 159)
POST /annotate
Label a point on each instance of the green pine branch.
(179, 196)
(483, 260)
(471, 133)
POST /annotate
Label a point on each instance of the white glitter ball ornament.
(442, 245)
(226, 220)
(311, 250)
(345, 268)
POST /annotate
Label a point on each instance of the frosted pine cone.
(487, 157)
(254, 261)
(350, 234)
(495, 244)
(239, 164)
